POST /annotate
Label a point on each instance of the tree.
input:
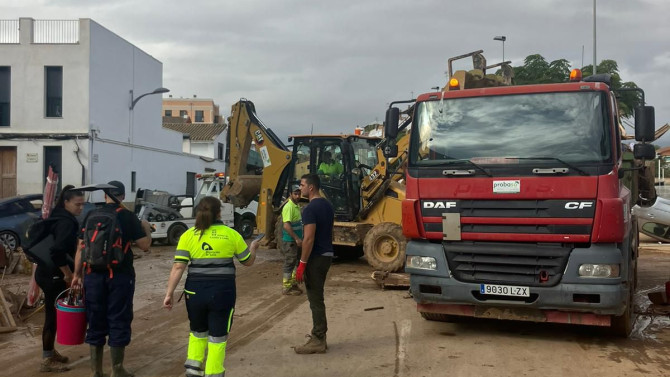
(536, 70)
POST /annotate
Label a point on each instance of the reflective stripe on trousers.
(197, 343)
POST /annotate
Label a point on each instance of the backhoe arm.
(243, 186)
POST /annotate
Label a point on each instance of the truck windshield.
(534, 128)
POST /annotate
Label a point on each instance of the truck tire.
(246, 227)
(622, 325)
(175, 231)
(439, 317)
(384, 247)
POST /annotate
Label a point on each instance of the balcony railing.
(9, 31)
(56, 31)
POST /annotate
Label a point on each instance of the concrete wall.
(30, 163)
(158, 170)
(27, 62)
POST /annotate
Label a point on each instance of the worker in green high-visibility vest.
(329, 166)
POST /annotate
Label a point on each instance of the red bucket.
(70, 323)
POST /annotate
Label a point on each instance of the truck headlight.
(423, 263)
(599, 270)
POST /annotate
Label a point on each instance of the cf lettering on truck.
(518, 200)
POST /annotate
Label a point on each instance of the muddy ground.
(391, 341)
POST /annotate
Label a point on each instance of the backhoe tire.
(439, 317)
(174, 233)
(384, 247)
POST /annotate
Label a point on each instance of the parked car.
(654, 221)
(16, 215)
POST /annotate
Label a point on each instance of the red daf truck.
(515, 205)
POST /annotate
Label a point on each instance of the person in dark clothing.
(318, 218)
(109, 293)
(54, 281)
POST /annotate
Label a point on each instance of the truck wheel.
(174, 233)
(246, 227)
(438, 317)
(384, 247)
(623, 325)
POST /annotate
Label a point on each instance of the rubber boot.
(96, 361)
(117, 354)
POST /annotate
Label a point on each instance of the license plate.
(504, 290)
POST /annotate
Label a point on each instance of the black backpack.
(40, 240)
(103, 240)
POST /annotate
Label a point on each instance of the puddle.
(652, 319)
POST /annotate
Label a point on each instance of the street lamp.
(503, 39)
(156, 91)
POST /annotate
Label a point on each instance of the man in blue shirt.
(317, 254)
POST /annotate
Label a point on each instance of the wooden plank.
(6, 309)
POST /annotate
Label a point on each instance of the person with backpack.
(55, 278)
(208, 249)
(104, 261)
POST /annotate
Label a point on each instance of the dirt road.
(392, 341)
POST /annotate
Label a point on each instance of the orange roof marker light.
(454, 84)
(576, 75)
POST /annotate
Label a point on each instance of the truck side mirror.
(391, 123)
(644, 151)
(644, 123)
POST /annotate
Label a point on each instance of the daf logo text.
(439, 204)
(578, 205)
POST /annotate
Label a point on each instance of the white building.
(66, 97)
(203, 139)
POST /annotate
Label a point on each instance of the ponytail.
(67, 194)
(208, 211)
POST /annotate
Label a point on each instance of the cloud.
(338, 64)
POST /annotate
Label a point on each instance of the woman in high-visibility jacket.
(208, 249)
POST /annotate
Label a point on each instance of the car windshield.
(569, 126)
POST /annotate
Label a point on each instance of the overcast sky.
(337, 64)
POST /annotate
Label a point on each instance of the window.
(5, 95)
(199, 116)
(190, 183)
(133, 185)
(168, 113)
(220, 151)
(54, 91)
(182, 114)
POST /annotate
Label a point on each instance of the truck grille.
(507, 263)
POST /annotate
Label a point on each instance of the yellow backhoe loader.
(366, 192)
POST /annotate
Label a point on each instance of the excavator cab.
(341, 162)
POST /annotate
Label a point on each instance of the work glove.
(300, 271)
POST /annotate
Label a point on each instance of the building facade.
(67, 92)
(195, 110)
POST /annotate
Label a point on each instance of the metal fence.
(56, 31)
(9, 31)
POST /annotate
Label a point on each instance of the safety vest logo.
(206, 246)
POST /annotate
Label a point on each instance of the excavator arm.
(246, 132)
(375, 185)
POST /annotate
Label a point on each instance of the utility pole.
(594, 37)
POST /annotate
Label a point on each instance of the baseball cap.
(119, 190)
(295, 188)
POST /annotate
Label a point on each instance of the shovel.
(660, 297)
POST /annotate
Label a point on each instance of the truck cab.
(515, 203)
